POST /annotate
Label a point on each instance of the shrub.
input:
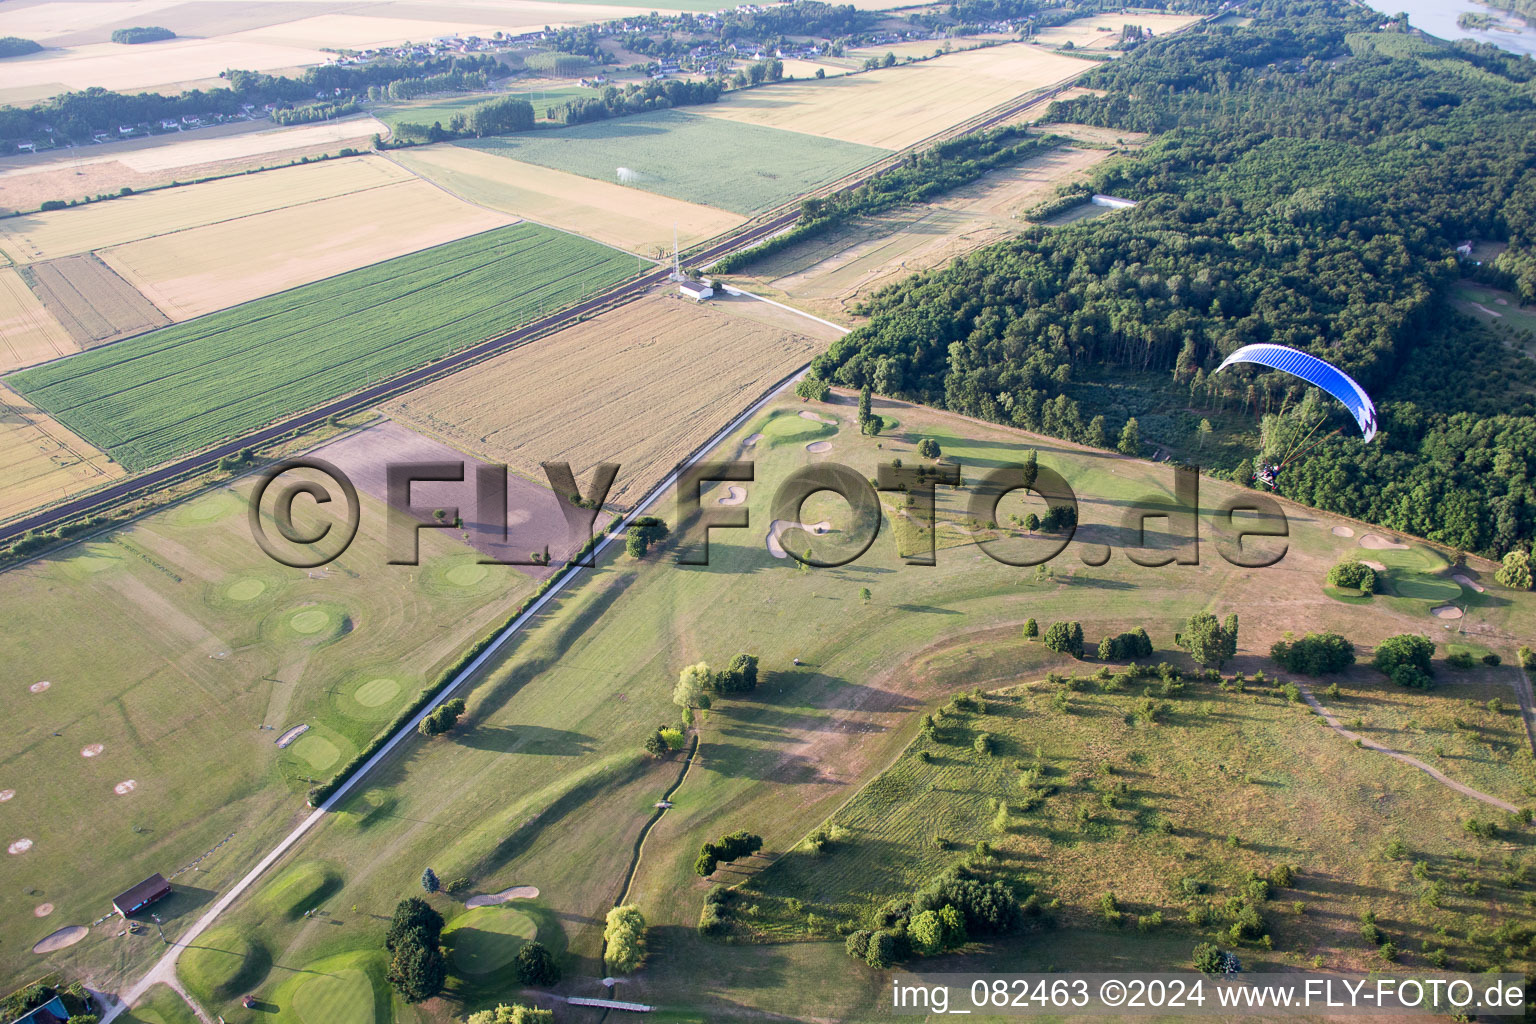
(881, 952)
(1354, 575)
(983, 743)
(1515, 572)
(813, 389)
(624, 936)
(926, 933)
(1314, 654)
(928, 448)
(1031, 629)
(1405, 659)
(1065, 638)
(1459, 659)
(1492, 660)
(1368, 930)
(857, 944)
(535, 965)
(1208, 959)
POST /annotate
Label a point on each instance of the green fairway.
(345, 997)
(177, 389)
(486, 939)
(739, 167)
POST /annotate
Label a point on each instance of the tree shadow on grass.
(527, 739)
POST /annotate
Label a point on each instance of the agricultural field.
(548, 763)
(1103, 30)
(748, 167)
(28, 332)
(90, 300)
(673, 374)
(44, 236)
(616, 215)
(898, 106)
(26, 182)
(202, 269)
(165, 757)
(170, 392)
(833, 273)
(40, 460)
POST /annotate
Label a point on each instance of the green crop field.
(545, 783)
(172, 391)
(739, 167)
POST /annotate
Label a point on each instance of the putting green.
(1421, 587)
(247, 589)
(209, 509)
(467, 575)
(375, 692)
(309, 620)
(489, 937)
(318, 751)
(340, 997)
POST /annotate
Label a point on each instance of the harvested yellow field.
(42, 462)
(207, 148)
(625, 218)
(189, 273)
(1103, 30)
(895, 107)
(673, 373)
(43, 236)
(150, 67)
(28, 333)
(46, 21)
(832, 274)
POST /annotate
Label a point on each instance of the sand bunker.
(752, 441)
(778, 526)
(1343, 531)
(517, 892)
(125, 787)
(1484, 309)
(291, 735)
(19, 846)
(1448, 611)
(42, 910)
(93, 750)
(819, 446)
(734, 496)
(40, 687)
(6, 794)
(1468, 581)
(61, 939)
(1374, 565)
(1376, 542)
(806, 414)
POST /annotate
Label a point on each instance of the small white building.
(698, 291)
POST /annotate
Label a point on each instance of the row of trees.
(417, 968)
(731, 847)
(696, 683)
(442, 718)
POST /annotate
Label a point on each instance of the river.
(1438, 18)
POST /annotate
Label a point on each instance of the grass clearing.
(898, 106)
(625, 218)
(80, 229)
(743, 168)
(42, 460)
(203, 269)
(170, 392)
(673, 373)
(547, 763)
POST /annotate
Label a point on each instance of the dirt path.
(1434, 773)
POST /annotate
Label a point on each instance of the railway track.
(753, 233)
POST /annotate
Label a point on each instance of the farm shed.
(153, 888)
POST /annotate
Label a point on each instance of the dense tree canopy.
(1307, 185)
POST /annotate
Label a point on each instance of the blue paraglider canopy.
(1314, 371)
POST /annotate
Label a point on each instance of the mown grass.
(172, 391)
(734, 166)
(544, 783)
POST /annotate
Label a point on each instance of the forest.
(1306, 184)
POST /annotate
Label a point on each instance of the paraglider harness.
(1269, 475)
